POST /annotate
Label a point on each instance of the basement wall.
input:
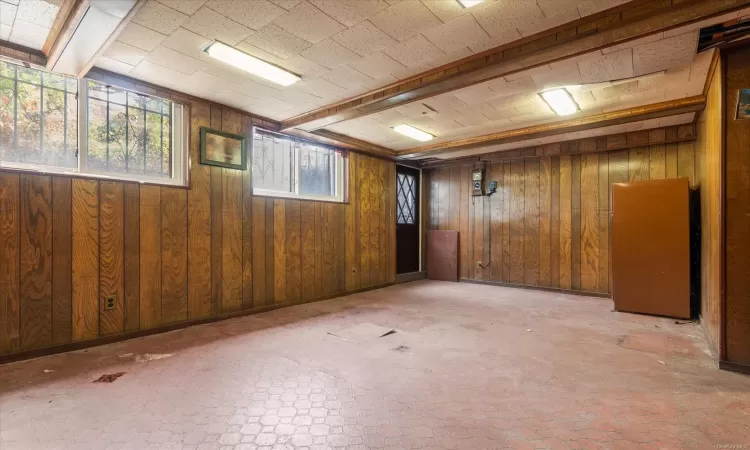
(548, 224)
(176, 255)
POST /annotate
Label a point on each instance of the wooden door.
(651, 247)
(407, 219)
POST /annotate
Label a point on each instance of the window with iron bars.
(56, 124)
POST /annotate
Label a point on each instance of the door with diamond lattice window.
(407, 219)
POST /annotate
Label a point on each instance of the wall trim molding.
(734, 367)
(80, 345)
(537, 288)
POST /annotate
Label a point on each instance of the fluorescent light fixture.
(414, 133)
(251, 64)
(469, 3)
(560, 101)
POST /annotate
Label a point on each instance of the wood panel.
(10, 228)
(85, 270)
(169, 255)
(62, 257)
(35, 290)
(548, 223)
(111, 203)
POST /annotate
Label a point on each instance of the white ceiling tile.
(511, 101)
(461, 32)
(309, 23)
(125, 53)
(502, 19)
(270, 107)
(330, 53)
(633, 43)
(346, 76)
(213, 25)
(188, 7)
(519, 86)
(405, 19)
(157, 74)
(446, 10)
(141, 37)
(155, 16)
(377, 65)
(472, 95)
(319, 87)
(7, 13)
(536, 24)
(187, 42)
(536, 71)
(701, 65)
(414, 51)
(585, 99)
(287, 4)
(37, 12)
(661, 55)
(206, 80)
(4, 31)
(608, 67)
(560, 74)
(552, 8)
(296, 97)
(174, 60)
(350, 12)
(364, 39)
(113, 65)
(235, 99)
(277, 41)
(259, 15)
(588, 7)
(255, 90)
(28, 34)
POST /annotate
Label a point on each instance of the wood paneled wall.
(737, 262)
(171, 255)
(708, 171)
(548, 223)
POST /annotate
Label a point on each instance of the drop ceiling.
(345, 48)
(27, 22)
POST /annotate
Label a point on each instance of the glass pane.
(317, 170)
(29, 137)
(59, 151)
(136, 140)
(166, 138)
(272, 163)
(54, 81)
(7, 70)
(117, 134)
(154, 144)
(406, 198)
(29, 75)
(7, 123)
(97, 149)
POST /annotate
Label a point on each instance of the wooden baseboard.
(73, 346)
(734, 367)
(536, 288)
(411, 276)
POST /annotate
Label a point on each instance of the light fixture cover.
(241, 60)
(560, 101)
(414, 133)
(469, 3)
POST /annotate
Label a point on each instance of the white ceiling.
(27, 22)
(342, 48)
(651, 71)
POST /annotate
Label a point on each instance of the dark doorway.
(407, 219)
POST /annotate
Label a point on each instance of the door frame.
(421, 210)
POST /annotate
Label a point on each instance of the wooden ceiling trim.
(654, 111)
(608, 143)
(61, 26)
(600, 31)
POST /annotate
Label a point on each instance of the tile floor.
(469, 366)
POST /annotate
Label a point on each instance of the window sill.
(32, 170)
(291, 196)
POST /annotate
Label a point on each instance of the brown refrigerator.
(651, 247)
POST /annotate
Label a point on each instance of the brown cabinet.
(651, 248)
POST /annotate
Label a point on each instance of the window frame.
(180, 143)
(341, 171)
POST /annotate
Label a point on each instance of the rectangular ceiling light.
(414, 133)
(560, 101)
(251, 64)
(469, 3)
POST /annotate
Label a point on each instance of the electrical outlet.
(110, 302)
(479, 265)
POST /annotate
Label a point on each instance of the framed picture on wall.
(743, 105)
(223, 149)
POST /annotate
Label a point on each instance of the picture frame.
(222, 149)
(743, 105)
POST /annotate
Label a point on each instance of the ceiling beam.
(631, 21)
(61, 25)
(654, 111)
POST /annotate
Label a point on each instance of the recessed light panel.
(469, 3)
(251, 64)
(414, 133)
(560, 101)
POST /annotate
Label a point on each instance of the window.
(406, 198)
(284, 166)
(57, 124)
